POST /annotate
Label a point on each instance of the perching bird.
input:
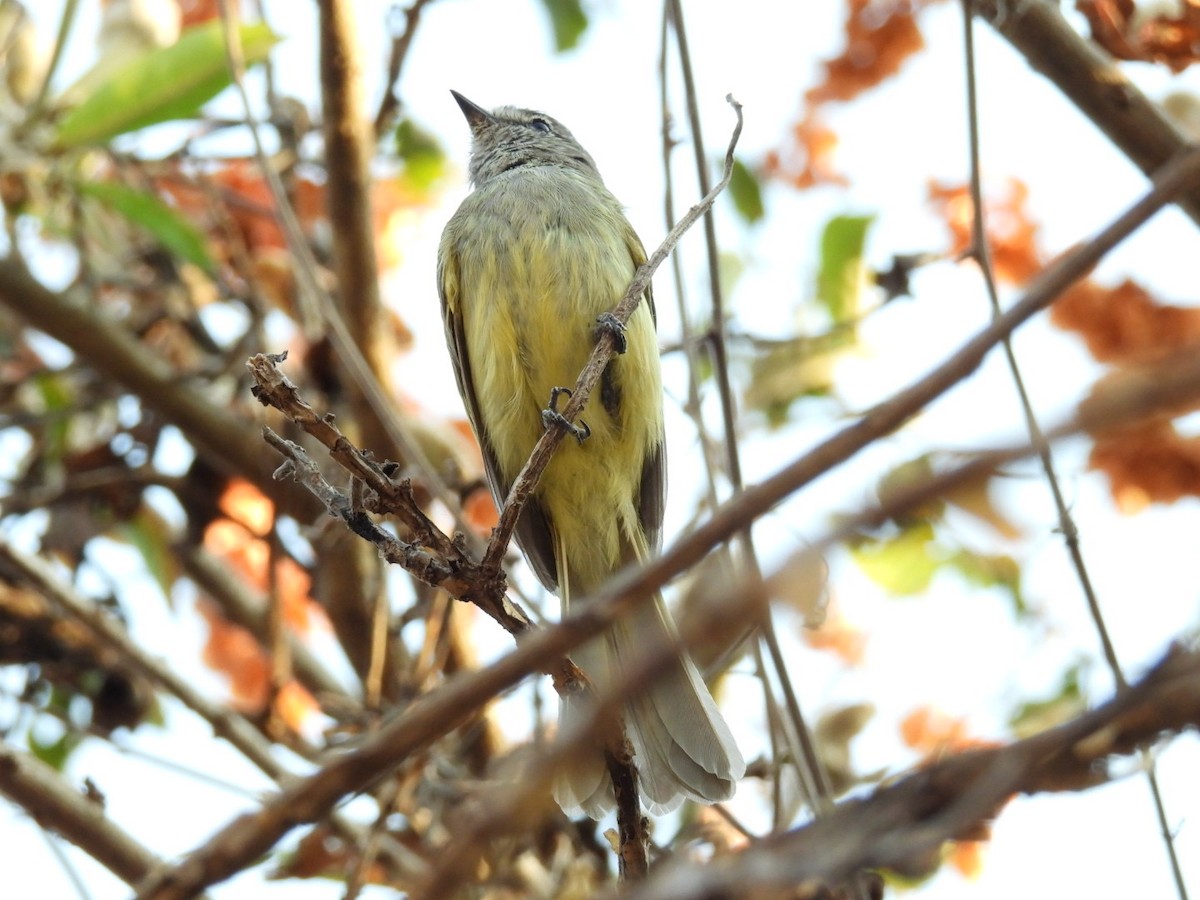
(532, 258)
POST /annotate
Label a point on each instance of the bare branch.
(1093, 82)
(57, 807)
(1161, 387)
(401, 41)
(901, 825)
(227, 442)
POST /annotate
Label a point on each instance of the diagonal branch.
(59, 808)
(1093, 82)
(1160, 388)
(228, 442)
(901, 825)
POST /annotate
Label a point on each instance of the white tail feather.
(682, 746)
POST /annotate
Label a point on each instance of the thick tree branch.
(902, 825)
(227, 442)
(1153, 391)
(67, 812)
(1093, 82)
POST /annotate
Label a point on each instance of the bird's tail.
(682, 746)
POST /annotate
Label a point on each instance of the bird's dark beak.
(477, 116)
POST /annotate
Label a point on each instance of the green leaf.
(902, 565)
(902, 478)
(1067, 702)
(53, 753)
(151, 535)
(841, 277)
(174, 232)
(169, 83)
(568, 21)
(745, 192)
(785, 372)
(57, 395)
(991, 570)
(422, 155)
(730, 268)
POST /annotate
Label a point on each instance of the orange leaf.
(1011, 234)
(967, 857)
(1148, 463)
(294, 704)
(932, 732)
(480, 510)
(246, 504)
(1129, 33)
(879, 38)
(233, 651)
(197, 11)
(838, 636)
(1125, 324)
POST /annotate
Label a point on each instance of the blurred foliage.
(163, 84)
(789, 369)
(906, 555)
(568, 21)
(746, 193)
(179, 248)
(421, 153)
(176, 234)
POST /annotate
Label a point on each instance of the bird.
(529, 266)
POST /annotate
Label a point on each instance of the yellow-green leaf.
(174, 232)
(841, 276)
(168, 83)
(1067, 702)
(904, 477)
(903, 564)
(745, 192)
(991, 570)
(568, 20)
(422, 155)
(785, 372)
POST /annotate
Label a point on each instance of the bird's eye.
(540, 125)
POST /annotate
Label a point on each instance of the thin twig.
(983, 256)
(1066, 522)
(68, 867)
(401, 41)
(813, 779)
(65, 22)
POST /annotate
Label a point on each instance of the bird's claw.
(551, 417)
(610, 324)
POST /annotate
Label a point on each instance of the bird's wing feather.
(652, 496)
(533, 528)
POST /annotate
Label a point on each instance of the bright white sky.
(958, 649)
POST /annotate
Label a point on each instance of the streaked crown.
(508, 138)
